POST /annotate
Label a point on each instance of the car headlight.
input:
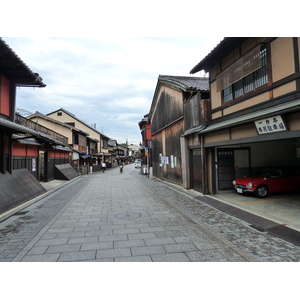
(250, 185)
(234, 182)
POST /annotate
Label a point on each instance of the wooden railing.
(37, 127)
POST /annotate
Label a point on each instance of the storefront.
(241, 146)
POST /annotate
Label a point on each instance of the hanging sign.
(270, 125)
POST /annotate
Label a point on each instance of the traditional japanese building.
(176, 113)
(255, 108)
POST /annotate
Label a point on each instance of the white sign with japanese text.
(270, 125)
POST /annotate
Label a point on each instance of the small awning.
(27, 141)
(194, 130)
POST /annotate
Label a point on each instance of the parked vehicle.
(138, 164)
(270, 180)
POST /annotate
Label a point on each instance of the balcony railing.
(40, 128)
(78, 147)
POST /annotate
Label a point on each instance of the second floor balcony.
(39, 128)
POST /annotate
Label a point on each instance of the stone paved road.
(117, 217)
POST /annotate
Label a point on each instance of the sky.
(101, 59)
(107, 81)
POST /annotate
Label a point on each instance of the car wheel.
(261, 191)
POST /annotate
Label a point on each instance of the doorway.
(232, 163)
(196, 169)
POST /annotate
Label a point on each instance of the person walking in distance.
(103, 167)
(121, 167)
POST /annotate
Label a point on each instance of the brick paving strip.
(260, 245)
(128, 217)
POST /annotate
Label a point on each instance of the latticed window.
(238, 89)
(261, 75)
(257, 77)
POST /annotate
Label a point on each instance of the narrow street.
(128, 217)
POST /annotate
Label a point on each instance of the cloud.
(107, 81)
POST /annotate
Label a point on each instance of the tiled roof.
(16, 70)
(187, 82)
(221, 50)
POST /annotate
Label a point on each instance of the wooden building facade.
(170, 117)
(255, 108)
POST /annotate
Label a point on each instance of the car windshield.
(271, 172)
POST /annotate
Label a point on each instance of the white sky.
(101, 59)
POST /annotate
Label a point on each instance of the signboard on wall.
(33, 165)
(270, 125)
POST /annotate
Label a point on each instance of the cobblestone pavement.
(117, 217)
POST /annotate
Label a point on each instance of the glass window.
(248, 83)
(228, 94)
(238, 89)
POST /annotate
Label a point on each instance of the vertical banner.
(172, 161)
(33, 165)
(160, 159)
(166, 160)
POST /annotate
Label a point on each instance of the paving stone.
(170, 257)
(63, 248)
(147, 250)
(113, 238)
(82, 240)
(53, 257)
(170, 233)
(97, 246)
(77, 234)
(126, 230)
(51, 242)
(77, 256)
(38, 250)
(159, 241)
(153, 229)
(98, 232)
(113, 253)
(141, 235)
(142, 258)
(86, 228)
(180, 247)
(129, 243)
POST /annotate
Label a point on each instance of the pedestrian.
(121, 167)
(103, 167)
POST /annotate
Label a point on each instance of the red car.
(271, 180)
